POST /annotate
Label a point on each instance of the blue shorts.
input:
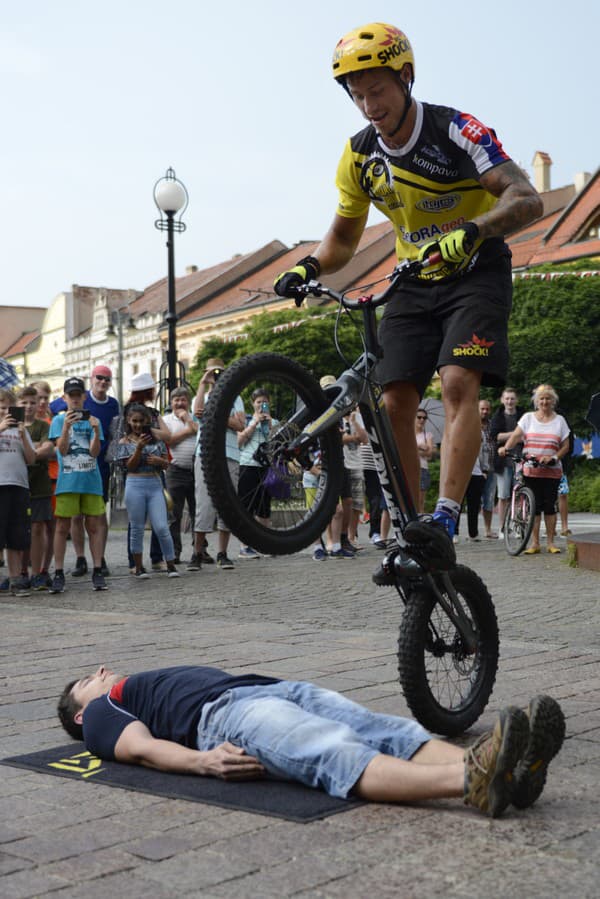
(301, 732)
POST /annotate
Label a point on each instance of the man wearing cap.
(104, 408)
(78, 435)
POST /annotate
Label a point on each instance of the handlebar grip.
(434, 259)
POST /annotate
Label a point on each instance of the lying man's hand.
(229, 762)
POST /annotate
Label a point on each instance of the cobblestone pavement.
(293, 617)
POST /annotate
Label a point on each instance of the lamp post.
(171, 198)
(118, 318)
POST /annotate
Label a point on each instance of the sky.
(99, 99)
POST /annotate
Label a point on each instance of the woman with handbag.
(144, 457)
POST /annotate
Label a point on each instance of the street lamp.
(118, 318)
(171, 198)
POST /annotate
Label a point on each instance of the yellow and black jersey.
(430, 185)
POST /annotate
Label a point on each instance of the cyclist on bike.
(446, 184)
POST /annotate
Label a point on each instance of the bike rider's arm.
(518, 201)
(340, 242)
(517, 436)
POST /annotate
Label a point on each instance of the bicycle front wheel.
(296, 516)
(518, 523)
(446, 682)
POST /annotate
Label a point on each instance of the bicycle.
(520, 512)
(448, 644)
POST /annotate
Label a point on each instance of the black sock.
(97, 571)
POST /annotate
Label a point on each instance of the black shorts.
(15, 518)
(545, 491)
(461, 322)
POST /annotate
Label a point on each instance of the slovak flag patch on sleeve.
(478, 141)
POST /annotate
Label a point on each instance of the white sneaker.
(375, 539)
(500, 535)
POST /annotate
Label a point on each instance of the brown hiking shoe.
(490, 762)
(546, 735)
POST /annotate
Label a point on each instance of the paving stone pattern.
(293, 617)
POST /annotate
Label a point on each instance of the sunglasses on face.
(103, 378)
(421, 418)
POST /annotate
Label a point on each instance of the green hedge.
(584, 485)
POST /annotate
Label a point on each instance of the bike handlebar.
(533, 461)
(402, 272)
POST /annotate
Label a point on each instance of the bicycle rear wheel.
(518, 523)
(295, 400)
(446, 683)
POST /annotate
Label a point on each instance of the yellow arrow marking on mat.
(75, 764)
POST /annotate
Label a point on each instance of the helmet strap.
(407, 88)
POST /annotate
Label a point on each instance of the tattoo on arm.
(518, 201)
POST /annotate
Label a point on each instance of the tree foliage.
(306, 335)
(554, 336)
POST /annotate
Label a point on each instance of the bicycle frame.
(355, 386)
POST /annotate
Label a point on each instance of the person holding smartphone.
(77, 436)
(250, 489)
(145, 458)
(16, 453)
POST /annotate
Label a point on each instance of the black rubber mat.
(282, 799)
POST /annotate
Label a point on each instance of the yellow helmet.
(370, 47)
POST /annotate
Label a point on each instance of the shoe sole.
(546, 735)
(515, 736)
(101, 588)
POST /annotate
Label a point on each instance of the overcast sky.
(99, 99)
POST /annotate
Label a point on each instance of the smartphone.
(217, 373)
(264, 407)
(17, 412)
(82, 414)
(147, 431)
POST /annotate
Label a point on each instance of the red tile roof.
(22, 344)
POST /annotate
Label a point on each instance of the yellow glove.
(454, 248)
(306, 270)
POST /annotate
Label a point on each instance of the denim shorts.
(504, 482)
(302, 732)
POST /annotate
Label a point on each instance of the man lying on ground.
(199, 720)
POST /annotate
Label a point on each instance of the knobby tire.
(446, 686)
(296, 400)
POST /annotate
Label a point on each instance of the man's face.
(100, 385)
(94, 685)
(485, 410)
(509, 400)
(29, 403)
(180, 404)
(380, 98)
(74, 400)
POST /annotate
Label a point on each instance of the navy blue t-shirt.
(168, 701)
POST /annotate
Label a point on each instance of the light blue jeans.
(144, 499)
(304, 733)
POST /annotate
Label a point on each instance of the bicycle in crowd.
(520, 512)
(448, 643)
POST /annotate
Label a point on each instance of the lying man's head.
(78, 694)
